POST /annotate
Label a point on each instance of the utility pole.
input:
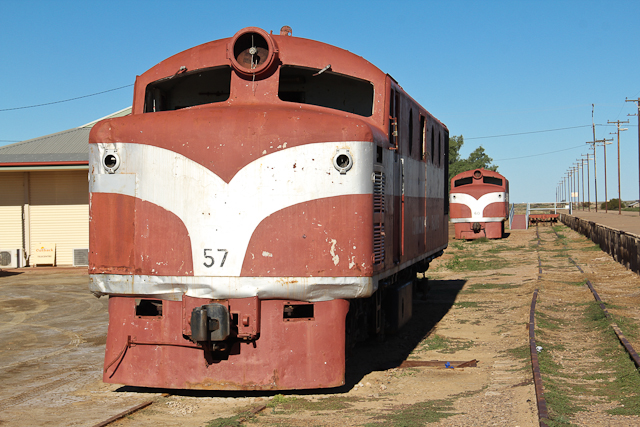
(573, 184)
(582, 168)
(565, 179)
(617, 123)
(595, 169)
(588, 185)
(577, 184)
(577, 166)
(637, 101)
(569, 190)
(606, 199)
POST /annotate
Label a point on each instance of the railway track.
(542, 247)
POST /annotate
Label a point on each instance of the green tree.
(476, 160)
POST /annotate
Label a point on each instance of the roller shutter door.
(11, 202)
(59, 212)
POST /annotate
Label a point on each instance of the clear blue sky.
(484, 68)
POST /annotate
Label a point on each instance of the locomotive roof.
(291, 50)
(485, 172)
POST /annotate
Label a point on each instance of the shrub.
(613, 204)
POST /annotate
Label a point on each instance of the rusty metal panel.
(288, 355)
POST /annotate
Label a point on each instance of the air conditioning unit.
(10, 258)
(80, 257)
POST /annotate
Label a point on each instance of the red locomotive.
(479, 204)
(269, 199)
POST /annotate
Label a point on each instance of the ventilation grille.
(379, 207)
(10, 258)
(80, 257)
(378, 192)
(378, 243)
(5, 258)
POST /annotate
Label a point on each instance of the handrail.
(511, 212)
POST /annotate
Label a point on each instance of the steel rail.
(124, 414)
(543, 413)
(623, 340)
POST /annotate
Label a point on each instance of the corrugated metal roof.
(67, 146)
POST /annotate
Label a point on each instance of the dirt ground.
(52, 335)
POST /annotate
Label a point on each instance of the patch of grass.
(594, 248)
(234, 421)
(458, 245)
(420, 413)
(544, 321)
(559, 227)
(466, 304)
(480, 240)
(416, 415)
(484, 286)
(406, 372)
(473, 263)
(504, 248)
(284, 404)
(557, 392)
(521, 352)
(444, 344)
(628, 327)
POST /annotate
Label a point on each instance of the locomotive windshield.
(463, 181)
(326, 89)
(188, 89)
(492, 180)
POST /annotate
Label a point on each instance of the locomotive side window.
(432, 144)
(326, 89)
(188, 89)
(492, 180)
(436, 155)
(410, 131)
(462, 181)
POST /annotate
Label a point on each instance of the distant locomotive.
(269, 199)
(479, 203)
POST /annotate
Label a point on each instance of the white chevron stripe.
(476, 205)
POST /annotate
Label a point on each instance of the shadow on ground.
(6, 273)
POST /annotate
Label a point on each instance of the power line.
(64, 100)
(540, 154)
(527, 133)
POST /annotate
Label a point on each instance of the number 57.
(209, 259)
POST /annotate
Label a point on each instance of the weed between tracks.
(281, 405)
(444, 344)
(416, 415)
